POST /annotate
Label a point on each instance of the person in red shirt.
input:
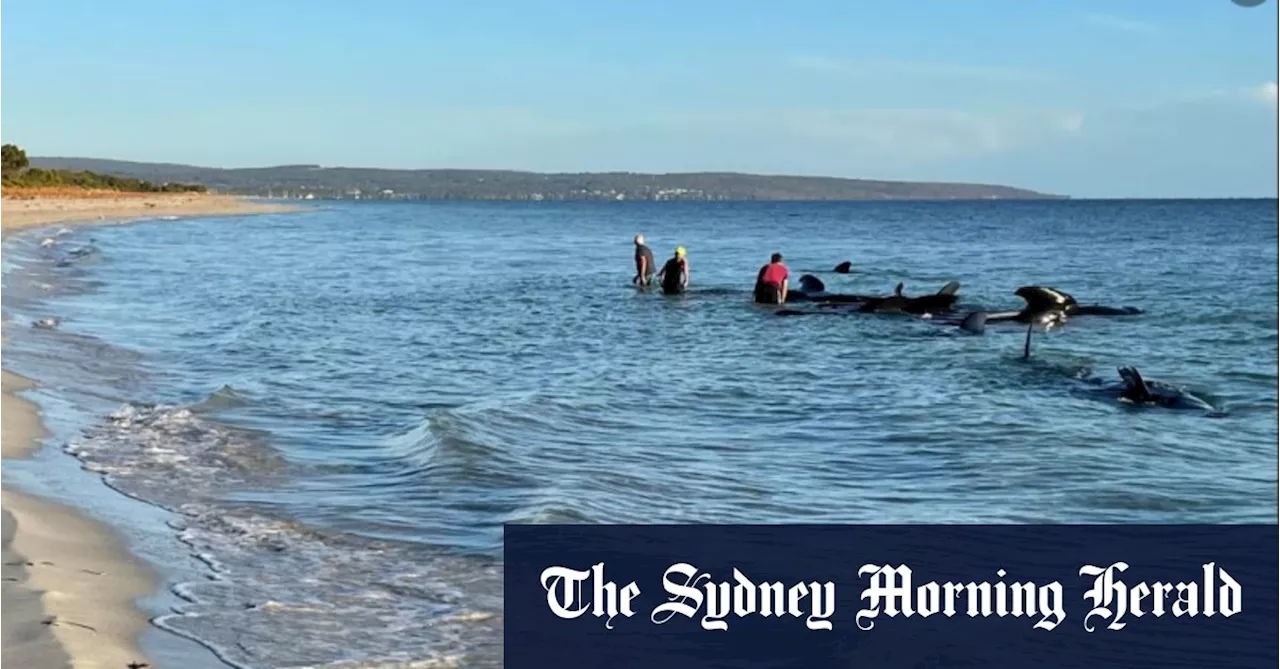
(771, 282)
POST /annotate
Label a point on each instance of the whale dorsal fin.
(1135, 386)
(897, 291)
(975, 322)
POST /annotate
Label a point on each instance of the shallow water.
(352, 401)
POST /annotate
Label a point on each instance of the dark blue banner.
(891, 596)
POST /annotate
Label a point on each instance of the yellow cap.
(679, 250)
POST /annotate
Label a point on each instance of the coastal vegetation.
(317, 182)
(19, 174)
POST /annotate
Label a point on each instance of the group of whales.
(1046, 308)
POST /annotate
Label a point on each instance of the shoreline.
(71, 585)
(22, 211)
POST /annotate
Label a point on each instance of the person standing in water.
(771, 282)
(675, 274)
(644, 264)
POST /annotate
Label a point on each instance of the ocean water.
(344, 406)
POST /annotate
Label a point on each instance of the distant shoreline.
(496, 185)
(320, 182)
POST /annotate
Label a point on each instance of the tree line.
(16, 171)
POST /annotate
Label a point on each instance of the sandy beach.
(26, 209)
(70, 584)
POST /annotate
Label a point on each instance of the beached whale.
(1132, 388)
(940, 302)
(1137, 390)
(1041, 302)
(1041, 299)
(811, 289)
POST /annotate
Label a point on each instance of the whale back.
(812, 284)
(1144, 391)
(951, 288)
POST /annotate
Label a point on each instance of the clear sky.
(1090, 98)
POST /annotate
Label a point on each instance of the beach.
(25, 209)
(70, 584)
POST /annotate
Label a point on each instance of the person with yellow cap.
(675, 274)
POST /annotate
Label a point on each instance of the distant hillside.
(17, 173)
(448, 184)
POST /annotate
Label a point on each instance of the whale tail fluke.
(975, 323)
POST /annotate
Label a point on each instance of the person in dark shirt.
(675, 274)
(644, 264)
(771, 282)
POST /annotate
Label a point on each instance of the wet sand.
(73, 597)
(70, 584)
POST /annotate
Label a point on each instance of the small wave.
(224, 397)
(152, 443)
(354, 597)
(554, 516)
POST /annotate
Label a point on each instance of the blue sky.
(1091, 98)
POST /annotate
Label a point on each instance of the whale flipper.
(951, 288)
(1047, 320)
